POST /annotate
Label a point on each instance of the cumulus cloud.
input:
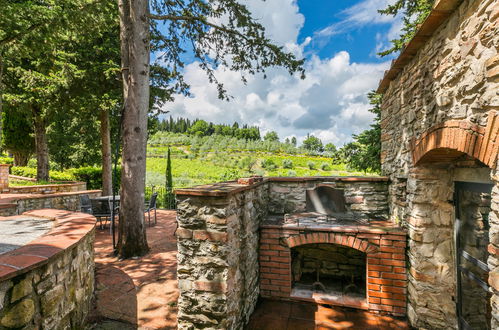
(330, 102)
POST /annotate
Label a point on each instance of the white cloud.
(330, 103)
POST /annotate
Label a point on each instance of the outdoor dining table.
(110, 199)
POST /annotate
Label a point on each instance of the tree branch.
(196, 19)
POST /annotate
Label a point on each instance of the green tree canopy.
(271, 136)
(313, 143)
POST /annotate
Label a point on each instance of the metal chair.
(101, 209)
(151, 205)
(85, 204)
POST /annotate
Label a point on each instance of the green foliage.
(17, 135)
(287, 163)
(271, 137)
(7, 160)
(29, 172)
(311, 165)
(291, 173)
(313, 143)
(247, 163)
(325, 166)
(169, 198)
(93, 176)
(330, 148)
(414, 12)
(268, 164)
(364, 154)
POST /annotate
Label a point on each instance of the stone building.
(440, 127)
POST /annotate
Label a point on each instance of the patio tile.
(142, 292)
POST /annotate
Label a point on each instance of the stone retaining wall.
(49, 282)
(439, 115)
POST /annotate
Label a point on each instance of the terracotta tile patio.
(280, 315)
(143, 291)
(140, 291)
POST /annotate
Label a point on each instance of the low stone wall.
(49, 282)
(365, 195)
(49, 188)
(17, 204)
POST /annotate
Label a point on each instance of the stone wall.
(48, 284)
(363, 195)
(439, 115)
(49, 188)
(63, 201)
(217, 257)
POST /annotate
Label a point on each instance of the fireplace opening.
(329, 274)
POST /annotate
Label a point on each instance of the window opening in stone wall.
(329, 273)
(472, 239)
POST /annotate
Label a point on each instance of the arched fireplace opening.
(329, 273)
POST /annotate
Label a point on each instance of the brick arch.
(454, 138)
(332, 238)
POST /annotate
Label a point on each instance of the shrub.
(6, 160)
(325, 167)
(311, 165)
(291, 173)
(31, 173)
(268, 164)
(287, 163)
(93, 176)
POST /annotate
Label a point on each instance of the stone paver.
(17, 231)
(141, 291)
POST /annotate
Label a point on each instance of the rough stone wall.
(218, 271)
(56, 295)
(367, 198)
(454, 76)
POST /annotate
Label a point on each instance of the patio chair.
(151, 205)
(85, 204)
(101, 209)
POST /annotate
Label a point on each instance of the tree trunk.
(135, 33)
(42, 150)
(20, 158)
(1, 99)
(107, 187)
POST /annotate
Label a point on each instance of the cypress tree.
(169, 198)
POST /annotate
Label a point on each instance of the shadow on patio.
(140, 291)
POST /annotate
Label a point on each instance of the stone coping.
(442, 9)
(9, 198)
(65, 184)
(69, 229)
(223, 189)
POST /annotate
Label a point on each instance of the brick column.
(4, 176)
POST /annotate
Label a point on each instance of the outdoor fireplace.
(329, 273)
(332, 251)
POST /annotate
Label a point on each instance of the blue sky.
(339, 40)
